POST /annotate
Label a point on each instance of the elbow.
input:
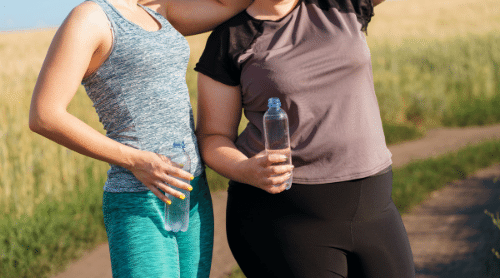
(39, 123)
(202, 140)
(36, 125)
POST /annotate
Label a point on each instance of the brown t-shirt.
(317, 61)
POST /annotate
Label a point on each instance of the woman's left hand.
(263, 172)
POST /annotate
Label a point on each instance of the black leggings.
(345, 229)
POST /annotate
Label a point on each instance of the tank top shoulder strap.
(114, 17)
(163, 21)
(119, 22)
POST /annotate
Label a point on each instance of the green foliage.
(216, 182)
(414, 182)
(452, 82)
(496, 221)
(396, 133)
(43, 243)
(475, 111)
(237, 273)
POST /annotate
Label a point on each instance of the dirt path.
(449, 232)
(450, 235)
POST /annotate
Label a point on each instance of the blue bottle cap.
(274, 102)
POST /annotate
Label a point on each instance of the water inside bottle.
(277, 134)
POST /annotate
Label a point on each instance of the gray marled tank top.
(140, 93)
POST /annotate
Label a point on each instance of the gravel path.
(449, 233)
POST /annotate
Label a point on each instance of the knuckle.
(172, 169)
(268, 182)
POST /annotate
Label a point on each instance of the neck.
(271, 9)
(130, 4)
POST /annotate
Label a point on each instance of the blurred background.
(436, 63)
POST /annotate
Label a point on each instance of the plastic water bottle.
(177, 213)
(276, 133)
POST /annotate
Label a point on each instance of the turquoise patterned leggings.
(140, 246)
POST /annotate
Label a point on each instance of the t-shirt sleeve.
(216, 62)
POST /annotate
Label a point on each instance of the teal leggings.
(140, 246)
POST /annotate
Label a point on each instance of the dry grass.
(35, 168)
(434, 19)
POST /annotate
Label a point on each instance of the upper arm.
(67, 60)
(192, 17)
(219, 108)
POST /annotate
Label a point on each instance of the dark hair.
(365, 13)
(362, 8)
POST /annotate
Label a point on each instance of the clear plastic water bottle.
(177, 213)
(276, 133)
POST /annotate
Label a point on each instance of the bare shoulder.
(88, 15)
(84, 31)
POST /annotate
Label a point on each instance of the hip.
(352, 200)
(145, 199)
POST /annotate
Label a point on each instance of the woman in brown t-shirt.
(338, 218)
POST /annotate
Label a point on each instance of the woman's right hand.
(260, 171)
(157, 172)
(77, 50)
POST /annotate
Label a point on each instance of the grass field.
(435, 63)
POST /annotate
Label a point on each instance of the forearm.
(154, 172)
(69, 131)
(221, 155)
(238, 5)
(192, 17)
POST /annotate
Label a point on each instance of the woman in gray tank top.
(132, 62)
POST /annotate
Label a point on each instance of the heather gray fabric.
(317, 61)
(140, 93)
